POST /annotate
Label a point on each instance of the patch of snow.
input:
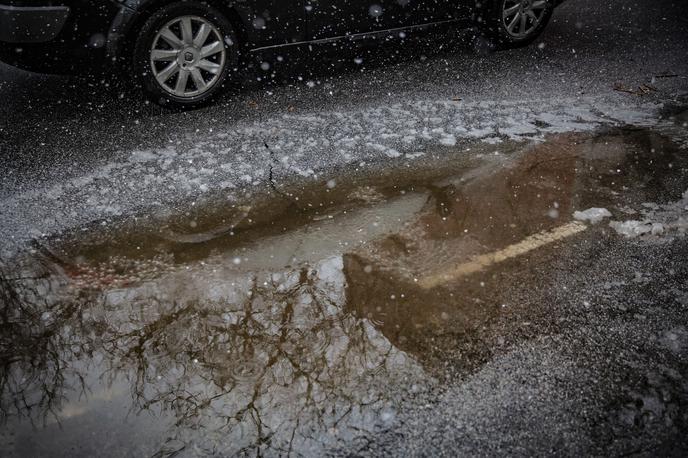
(448, 140)
(492, 140)
(657, 229)
(143, 156)
(631, 228)
(593, 215)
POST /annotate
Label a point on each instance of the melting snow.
(631, 228)
(237, 160)
(658, 219)
(593, 215)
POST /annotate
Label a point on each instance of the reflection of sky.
(97, 423)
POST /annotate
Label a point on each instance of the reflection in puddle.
(301, 333)
(265, 362)
(418, 283)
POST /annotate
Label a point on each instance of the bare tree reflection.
(36, 347)
(281, 370)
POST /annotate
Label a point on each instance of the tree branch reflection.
(282, 369)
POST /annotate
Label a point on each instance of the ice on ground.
(657, 229)
(631, 228)
(448, 140)
(658, 219)
(594, 215)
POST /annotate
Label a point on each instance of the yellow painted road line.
(483, 261)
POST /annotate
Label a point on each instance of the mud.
(302, 321)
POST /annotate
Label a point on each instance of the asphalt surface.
(589, 355)
(55, 129)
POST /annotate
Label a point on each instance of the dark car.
(184, 52)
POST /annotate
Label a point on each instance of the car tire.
(503, 21)
(184, 54)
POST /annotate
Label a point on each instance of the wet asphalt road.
(588, 355)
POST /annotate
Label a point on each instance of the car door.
(272, 22)
(429, 11)
(265, 22)
(336, 18)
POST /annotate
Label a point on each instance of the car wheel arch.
(123, 46)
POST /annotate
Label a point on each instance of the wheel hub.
(188, 58)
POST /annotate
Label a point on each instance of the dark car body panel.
(31, 24)
(263, 22)
(80, 43)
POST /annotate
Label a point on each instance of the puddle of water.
(297, 325)
(488, 215)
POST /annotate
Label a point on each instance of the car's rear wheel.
(185, 53)
(513, 23)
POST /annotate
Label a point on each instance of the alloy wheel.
(187, 56)
(521, 17)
